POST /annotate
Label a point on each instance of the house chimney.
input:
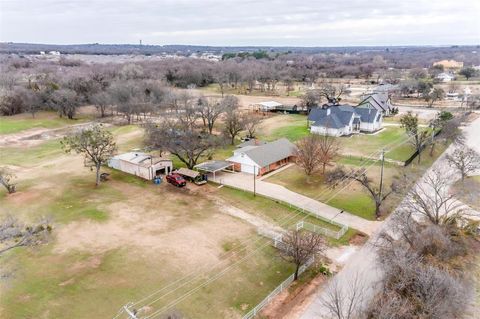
(328, 111)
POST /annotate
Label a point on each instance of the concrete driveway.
(245, 182)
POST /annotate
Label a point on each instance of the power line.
(254, 251)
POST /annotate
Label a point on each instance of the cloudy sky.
(242, 22)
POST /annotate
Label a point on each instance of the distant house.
(340, 120)
(385, 88)
(263, 158)
(379, 101)
(449, 64)
(445, 77)
(142, 165)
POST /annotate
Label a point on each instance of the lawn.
(368, 144)
(291, 126)
(21, 122)
(353, 199)
(28, 155)
(277, 213)
(294, 127)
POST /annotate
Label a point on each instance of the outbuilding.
(142, 165)
(269, 106)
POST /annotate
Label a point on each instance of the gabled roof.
(251, 142)
(377, 100)
(272, 152)
(335, 116)
(367, 115)
(330, 121)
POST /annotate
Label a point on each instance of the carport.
(214, 166)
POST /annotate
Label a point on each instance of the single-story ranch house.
(142, 165)
(261, 158)
(340, 120)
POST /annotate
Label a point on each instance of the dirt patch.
(92, 262)
(36, 136)
(358, 239)
(21, 197)
(67, 282)
(292, 302)
(146, 228)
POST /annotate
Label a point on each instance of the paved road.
(364, 262)
(245, 182)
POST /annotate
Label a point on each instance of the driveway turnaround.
(310, 206)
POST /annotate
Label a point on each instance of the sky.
(242, 22)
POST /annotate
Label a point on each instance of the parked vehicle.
(193, 176)
(176, 180)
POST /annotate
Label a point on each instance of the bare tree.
(309, 153)
(344, 301)
(101, 100)
(465, 159)
(96, 144)
(251, 125)
(430, 199)
(234, 124)
(378, 195)
(187, 143)
(299, 246)
(7, 179)
(65, 101)
(418, 138)
(14, 234)
(210, 110)
(329, 150)
(331, 92)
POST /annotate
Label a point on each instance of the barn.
(140, 164)
(263, 158)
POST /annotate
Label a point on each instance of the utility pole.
(381, 172)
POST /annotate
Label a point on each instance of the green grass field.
(278, 213)
(353, 199)
(367, 144)
(17, 123)
(27, 155)
(294, 128)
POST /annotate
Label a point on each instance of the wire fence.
(285, 284)
(319, 229)
(322, 230)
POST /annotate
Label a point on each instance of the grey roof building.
(338, 120)
(378, 101)
(260, 159)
